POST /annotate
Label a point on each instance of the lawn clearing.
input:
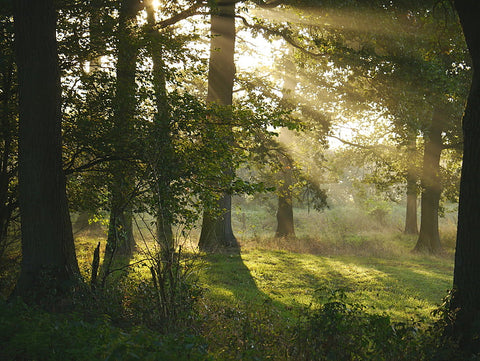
(405, 287)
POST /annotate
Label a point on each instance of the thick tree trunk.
(411, 226)
(217, 231)
(120, 233)
(429, 238)
(466, 280)
(120, 238)
(285, 225)
(164, 158)
(7, 129)
(47, 241)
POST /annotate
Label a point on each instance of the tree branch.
(281, 33)
(269, 4)
(192, 10)
(87, 166)
(356, 145)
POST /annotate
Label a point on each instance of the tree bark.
(466, 279)
(120, 233)
(285, 222)
(429, 237)
(164, 155)
(47, 240)
(7, 147)
(411, 226)
(217, 231)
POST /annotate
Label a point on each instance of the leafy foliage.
(338, 329)
(31, 334)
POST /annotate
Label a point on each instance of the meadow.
(256, 303)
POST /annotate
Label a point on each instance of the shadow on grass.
(288, 280)
(229, 280)
(241, 322)
(418, 281)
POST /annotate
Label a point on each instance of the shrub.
(28, 333)
(341, 330)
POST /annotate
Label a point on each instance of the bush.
(246, 332)
(28, 333)
(341, 330)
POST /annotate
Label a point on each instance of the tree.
(164, 152)
(47, 240)
(96, 48)
(411, 226)
(120, 231)
(429, 237)
(8, 131)
(285, 223)
(466, 279)
(217, 229)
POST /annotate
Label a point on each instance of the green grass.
(406, 287)
(255, 296)
(341, 248)
(262, 302)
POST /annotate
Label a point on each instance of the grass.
(405, 288)
(254, 298)
(339, 248)
(372, 262)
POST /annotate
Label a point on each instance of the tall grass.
(343, 228)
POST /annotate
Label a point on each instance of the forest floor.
(257, 303)
(404, 285)
(257, 295)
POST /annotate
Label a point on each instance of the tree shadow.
(230, 280)
(418, 282)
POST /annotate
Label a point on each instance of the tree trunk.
(97, 39)
(120, 232)
(7, 149)
(164, 154)
(285, 223)
(411, 226)
(411, 209)
(96, 50)
(217, 231)
(48, 251)
(466, 279)
(429, 238)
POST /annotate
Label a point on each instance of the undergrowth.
(331, 328)
(29, 333)
(346, 292)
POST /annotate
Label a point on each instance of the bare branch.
(87, 166)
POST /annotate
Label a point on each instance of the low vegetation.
(361, 295)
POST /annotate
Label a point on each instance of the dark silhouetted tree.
(47, 240)
(120, 232)
(466, 280)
